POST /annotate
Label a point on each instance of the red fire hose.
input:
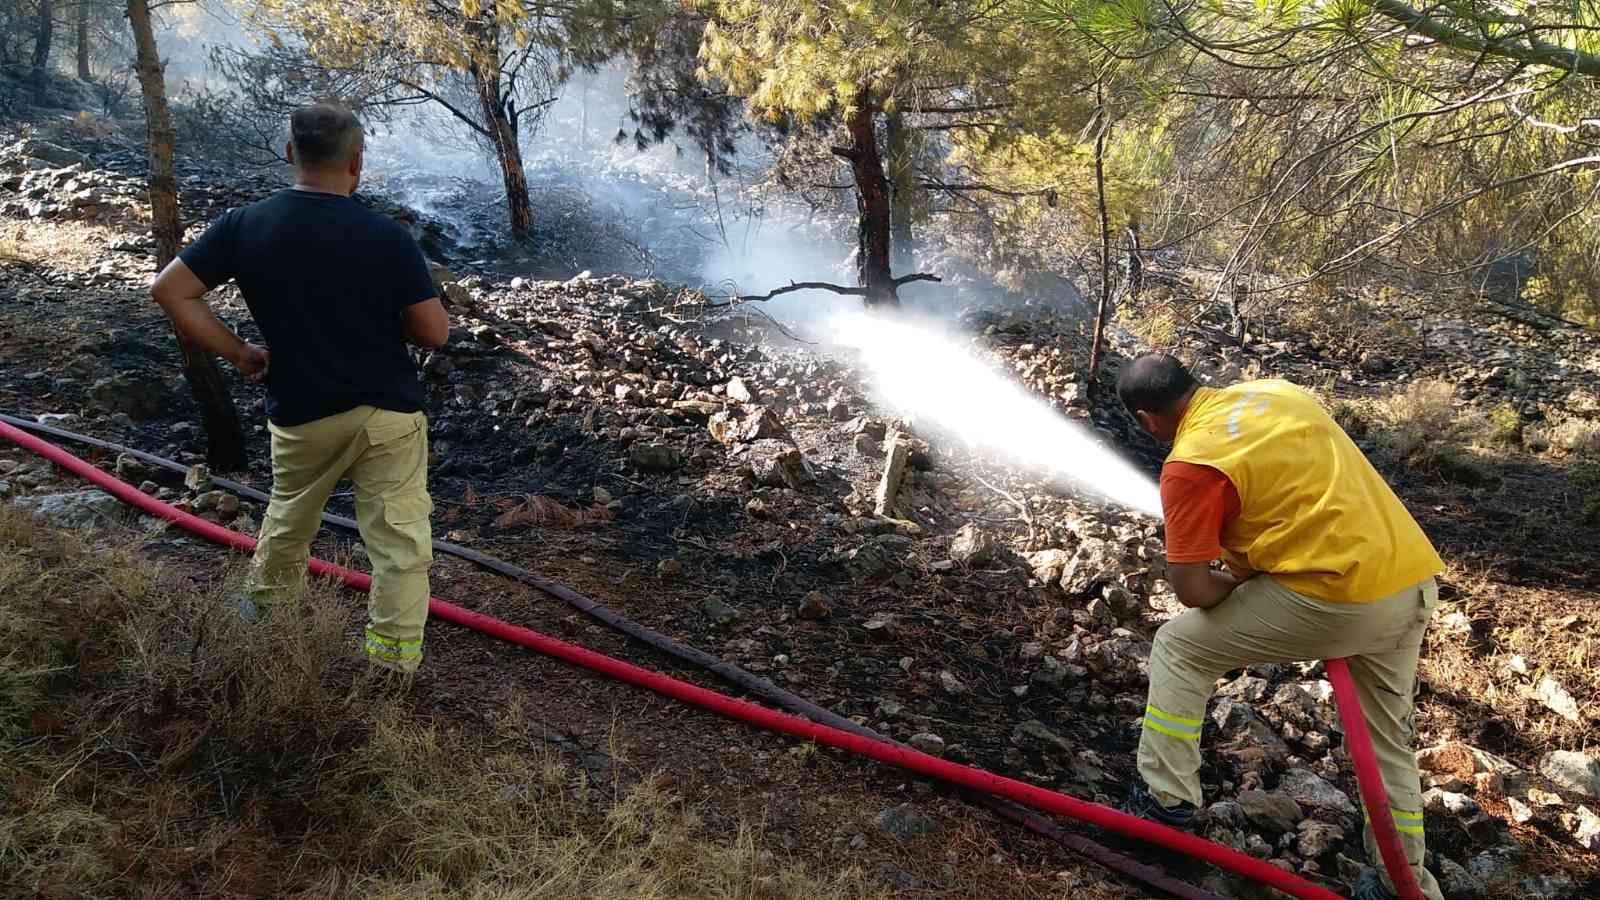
(921, 763)
(1373, 795)
(753, 685)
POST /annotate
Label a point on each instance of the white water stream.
(930, 377)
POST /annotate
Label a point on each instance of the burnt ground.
(549, 389)
(813, 803)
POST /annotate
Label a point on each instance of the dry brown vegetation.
(1421, 427)
(1495, 641)
(75, 246)
(152, 744)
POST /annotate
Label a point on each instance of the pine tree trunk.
(224, 438)
(901, 178)
(509, 151)
(83, 41)
(502, 126)
(42, 39)
(1105, 249)
(872, 202)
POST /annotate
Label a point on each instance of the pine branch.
(1536, 52)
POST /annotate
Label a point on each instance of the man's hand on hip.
(252, 360)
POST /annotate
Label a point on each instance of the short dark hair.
(325, 135)
(1154, 383)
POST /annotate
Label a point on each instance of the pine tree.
(1305, 143)
(502, 58)
(224, 437)
(913, 67)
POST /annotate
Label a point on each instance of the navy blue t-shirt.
(326, 280)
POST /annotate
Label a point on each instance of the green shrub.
(1505, 425)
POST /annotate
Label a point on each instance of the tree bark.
(903, 184)
(1133, 265)
(872, 203)
(42, 39)
(1095, 345)
(83, 41)
(224, 438)
(501, 123)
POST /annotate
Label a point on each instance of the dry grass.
(1155, 319)
(1565, 437)
(1493, 645)
(77, 246)
(1421, 427)
(541, 510)
(1343, 323)
(154, 745)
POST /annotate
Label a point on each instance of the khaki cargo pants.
(1264, 622)
(385, 454)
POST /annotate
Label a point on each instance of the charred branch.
(846, 290)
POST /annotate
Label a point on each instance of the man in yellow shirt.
(1323, 561)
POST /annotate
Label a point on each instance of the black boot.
(1370, 887)
(1144, 804)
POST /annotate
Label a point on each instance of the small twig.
(1021, 504)
(783, 329)
(106, 745)
(783, 566)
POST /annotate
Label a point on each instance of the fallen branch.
(1020, 503)
(793, 286)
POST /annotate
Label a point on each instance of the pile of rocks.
(40, 489)
(41, 180)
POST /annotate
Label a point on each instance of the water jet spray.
(929, 377)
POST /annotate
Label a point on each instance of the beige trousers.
(1262, 622)
(385, 454)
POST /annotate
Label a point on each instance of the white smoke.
(930, 377)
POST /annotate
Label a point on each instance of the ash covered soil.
(716, 481)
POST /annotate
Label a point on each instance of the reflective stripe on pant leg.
(1406, 821)
(1172, 726)
(1169, 741)
(402, 655)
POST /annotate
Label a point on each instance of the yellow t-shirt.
(1313, 512)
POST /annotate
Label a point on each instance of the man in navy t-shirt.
(337, 291)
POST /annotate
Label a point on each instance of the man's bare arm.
(426, 323)
(182, 295)
(1198, 586)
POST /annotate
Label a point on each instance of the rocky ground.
(721, 483)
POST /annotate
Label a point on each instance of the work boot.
(1144, 804)
(1370, 887)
